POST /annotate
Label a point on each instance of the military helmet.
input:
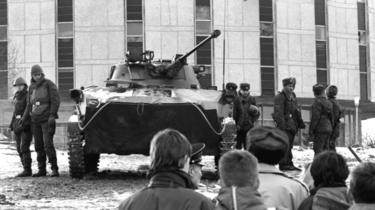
(19, 81)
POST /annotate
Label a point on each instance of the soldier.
(288, 118)
(321, 120)
(21, 129)
(245, 113)
(337, 114)
(226, 101)
(195, 169)
(42, 106)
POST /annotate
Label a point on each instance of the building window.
(134, 26)
(203, 28)
(267, 55)
(65, 46)
(363, 49)
(3, 49)
(321, 44)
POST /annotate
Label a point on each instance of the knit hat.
(19, 81)
(36, 69)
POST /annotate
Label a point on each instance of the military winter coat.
(337, 114)
(20, 103)
(168, 190)
(43, 100)
(321, 116)
(286, 113)
(244, 118)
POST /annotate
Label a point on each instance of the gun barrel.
(213, 35)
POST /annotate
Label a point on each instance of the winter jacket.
(242, 115)
(323, 198)
(168, 190)
(247, 198)
(321, 116)
(286, 113)
(337, 114)
(363, 206)
(280, 190)
(43, 100)
(20, 103)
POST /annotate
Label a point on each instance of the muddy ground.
(118, 178)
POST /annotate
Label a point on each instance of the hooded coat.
(245, 197)
(43, 100)
(20, 103)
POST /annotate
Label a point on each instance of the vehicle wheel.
(91, 162)
(76, 158)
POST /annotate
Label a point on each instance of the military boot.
(41, 172)
(55, 173)
(24, 173)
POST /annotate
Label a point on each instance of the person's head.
(318, 90)
(289, 84)
(238, 168)
(362, 183)
(195, 169)
(267, 144)
(20, 84)
(331, 91)
(36, 72)
(244, 89)
(170, 149)
(328, 169)
(229, 93)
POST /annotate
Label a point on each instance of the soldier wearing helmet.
(21, 129)
(245, 113)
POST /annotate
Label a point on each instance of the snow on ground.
(118, 178)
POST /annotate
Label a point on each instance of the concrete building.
(76, 42)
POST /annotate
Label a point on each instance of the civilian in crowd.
(329, 172)
(269, 145)
(21, 129)
(362, 187)
(239, 180)
(170, 186)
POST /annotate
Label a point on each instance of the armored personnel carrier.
(141, 97)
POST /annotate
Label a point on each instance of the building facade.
(76, 42)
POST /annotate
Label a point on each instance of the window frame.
(142, 36)
(208, 67)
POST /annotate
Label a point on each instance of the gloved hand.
(51, 125)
